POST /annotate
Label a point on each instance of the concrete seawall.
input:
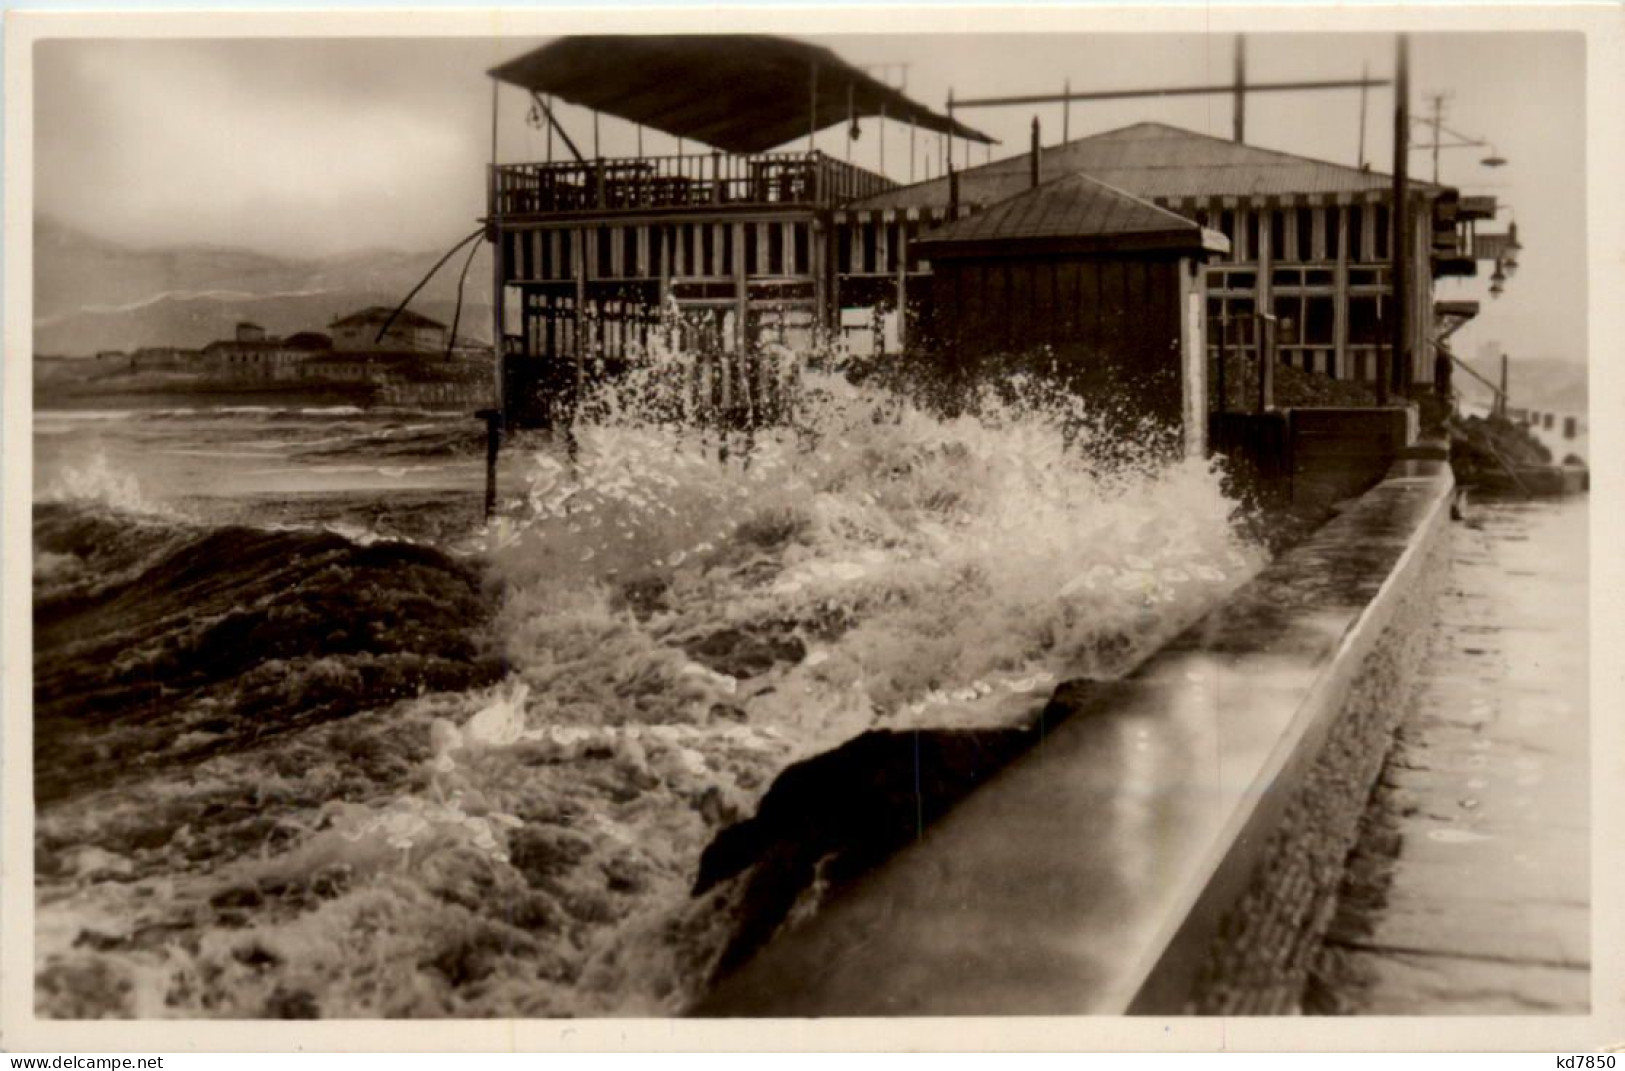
(1176, 841)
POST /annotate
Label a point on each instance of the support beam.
(554, 124)
(1169, 91)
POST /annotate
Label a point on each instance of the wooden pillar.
(1340, 297)
(1266, 362)
(498, 283)
(1263, 297)
(741, 309)
(579, 268)
(1193, 353)
(902, 284)
(1397, 373)
(1239, 91)
(818, 239)
(665, 264)
(1421, 369)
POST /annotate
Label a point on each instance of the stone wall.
(1173, 840)
(1259, 963)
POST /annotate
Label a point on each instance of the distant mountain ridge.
(91, 294)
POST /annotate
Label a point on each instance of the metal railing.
(662, 182)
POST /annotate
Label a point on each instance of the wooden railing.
(662, 182)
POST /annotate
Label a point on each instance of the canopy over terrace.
(741, 93)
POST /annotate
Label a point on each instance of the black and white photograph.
(696, 518)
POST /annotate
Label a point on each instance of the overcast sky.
(318, 146)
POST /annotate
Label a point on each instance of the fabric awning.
(735, 92)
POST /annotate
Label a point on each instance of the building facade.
(1310, 241)
(748, 243)
(409, 332)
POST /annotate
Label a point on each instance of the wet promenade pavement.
(1469, 892)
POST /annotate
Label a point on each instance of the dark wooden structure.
(1097, 287)
(755, 240)
(1311, 242)
(741, 240)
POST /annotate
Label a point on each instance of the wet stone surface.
(1468, 892)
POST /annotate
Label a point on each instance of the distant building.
(262, 357)
(166, 359)
(410, 332)
(313, 341)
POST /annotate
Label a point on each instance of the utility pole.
(1365, 73)
(1240, 90)
(1438, 100)
(1398, 372)
(1035, 168)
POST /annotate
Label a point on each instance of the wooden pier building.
(740, 236)
(755, 242)
(1309, 239)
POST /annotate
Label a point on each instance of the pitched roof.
(1150, 160)
(1073, 213)
(377, 314)
(737, 92)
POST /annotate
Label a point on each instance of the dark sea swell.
(159, 641)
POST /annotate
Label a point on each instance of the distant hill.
(91, 294)
(1546, 384)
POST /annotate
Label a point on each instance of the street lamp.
(1513, 248)
(1462, 141)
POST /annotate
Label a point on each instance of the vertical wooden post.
(1239, 93)
(1266, 362)
(1397, 371)
(1034, 165)
(1219, 386)
(493, 444)
(498, 284)
(665, 265)
(1502, 401)
(818, 238)
(1340, 296)
(1193, 353)
(1264, 296)
(882, 136)
(1365, 73)
(902, 283)
(741, 309)
(812, 108)
(579, 250)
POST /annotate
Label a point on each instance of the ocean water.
(313, 739)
